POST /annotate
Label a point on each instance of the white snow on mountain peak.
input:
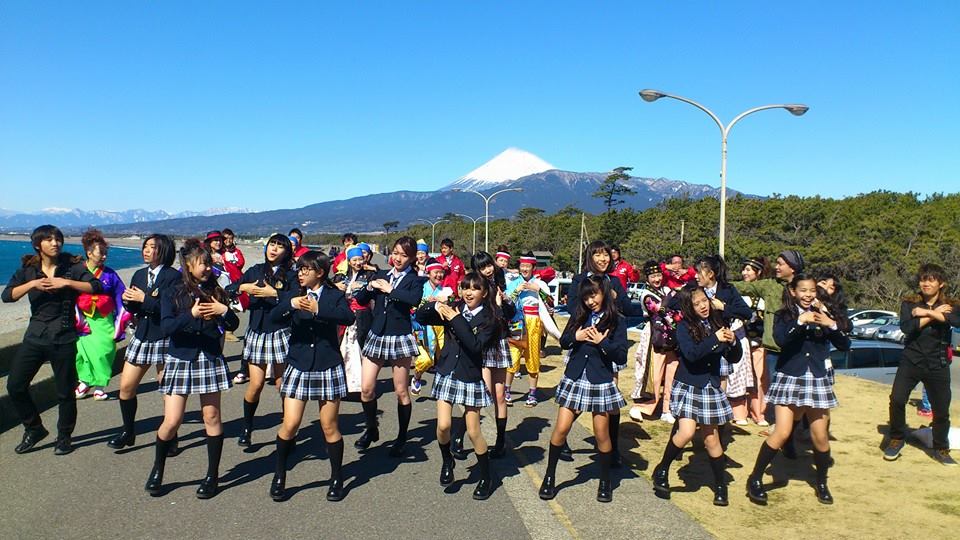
(508, 165)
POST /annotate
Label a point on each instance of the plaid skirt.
(326, 385)
(468, 394)
(585, 396)
(498, 356)
(202, 375)
(706, 406)
(390, 348)
(262, 348)
(804, 391)
(146, 353)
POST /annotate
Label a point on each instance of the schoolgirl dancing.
(314, 365)
(266, 343)
(354, 336)
(705, 341)
(148, 346)
(390, 340)
(596, 336)
(801, 386)
(433, 291)
(471, 328)
(194, 315)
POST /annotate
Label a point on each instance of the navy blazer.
(802, 347)
(596, 360)
(700, 361)
(463, 341)
(148, 311)
(260, 307)
(573, 294)
(189, 336)
(391, 312)
(733, 305)
(314, 344)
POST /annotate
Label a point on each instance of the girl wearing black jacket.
(194, 315)
(705, 341)
(596, 336)
(470, 327)
(314, 365)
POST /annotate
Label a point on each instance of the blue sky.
(189, 105)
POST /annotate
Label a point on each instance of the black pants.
(937, 382)
(30, 356)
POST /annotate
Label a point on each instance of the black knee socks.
(614, 430)
(249, 411)
(764, 458)
(445, 452)
(669, 454)
(483, 460)
(718, 465)
(370, 413)
(552, 457)
(128, 412)
(284, 447)
(214, 451)
(605, 458)
(335, 451)
(160, 453)
(822, 462)
(501, 433)
(403, 415)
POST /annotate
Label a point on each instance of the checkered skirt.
(498, 356)
(202, 375)
(804, 391)
(468, 394)
(262, 348)
(706, 406)
(585, 396)
(146, 353)
(389, 348)
(326, 385)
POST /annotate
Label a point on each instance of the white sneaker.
(668, 418)
(636, 414)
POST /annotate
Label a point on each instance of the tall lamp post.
(474, 220)
(433, 230)
(794, 109)
(486, 211)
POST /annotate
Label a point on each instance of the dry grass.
(914, 497)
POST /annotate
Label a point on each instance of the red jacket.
(674, 281)
(625, 272)
(234, 257)
(453, 272)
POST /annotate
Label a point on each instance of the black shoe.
(615, 460)
(155, 482)
(456, 448)
(720, 495)
(483, 490)
(30, 439)
(566, 453)
(661, 483)
(446, 472)
(64, 446)
(605, 492)
(755, 491)
(823, 493)
(124, 439)
(174, 449)
(335, 493)
(397, 448)
(369, 437)
(208, 487)
(548, 489)
(278, 487)
(245, 436)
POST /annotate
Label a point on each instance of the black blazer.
(463, 342)
(260, 307)
(700, 361)
(596, 360)
(805, 347)
(314, 344)
(148, 311)
(623, 300)
(391, 312)
(733, 305)
(188, 336)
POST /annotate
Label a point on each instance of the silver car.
(873, 360)
(890, 332)
(869, 330)
(860, 317)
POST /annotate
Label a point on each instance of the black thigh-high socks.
(403, 416)
(214, 451)
(284, 448)
(764, 457)
(370, 413)
(669, 454)
(128, 412)
(335, 451)
(718, 465)
(552, 457)
(249, 411)
(822, 462)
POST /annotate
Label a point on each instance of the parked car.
(869, 330)
(865, 316)
(956, 340)
(890, 332)
(873, 360)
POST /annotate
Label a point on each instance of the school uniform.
(194, 363)
(587, 383)
(696, 393)
(314, 363)
(623, 299)
(266, 342)
(498, 356)
(459, 378)
(391, 334)
(801, 377)
(148, 346)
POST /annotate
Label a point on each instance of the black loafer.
(335, 492)
(823, 493)
(369, 437)
(278, 487)
(155, 482)
(446, 472)
(124, 439)
(548, 489)
(720, 497)
(755, 491)
(661, 483)
(64, 446)
(30, 439)
(245, 436)
(456, 448)
(605, 492)
(483, 490)
(209, 487)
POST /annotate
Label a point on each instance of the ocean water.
(11, 252)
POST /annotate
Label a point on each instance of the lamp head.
(651, 95)
(797, 110)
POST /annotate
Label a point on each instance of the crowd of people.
(710, 351)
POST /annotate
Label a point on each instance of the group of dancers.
(322, 328)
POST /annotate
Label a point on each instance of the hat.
(528, 260)
(294, 240)
(365, 247)
(423, 246)
(793, 258)
(651, 267)
(354, 251)
(755, 264)
(213, 235)
(502, 255)
(435, 265)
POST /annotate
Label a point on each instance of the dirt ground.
(914, 497)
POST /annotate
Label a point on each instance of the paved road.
(95, 492)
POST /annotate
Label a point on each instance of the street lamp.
(474, 220)
(433, 230)
(486, 211)
(795, 109)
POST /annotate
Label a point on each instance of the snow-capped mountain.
(511, 164)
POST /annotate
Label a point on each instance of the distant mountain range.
(73, 218)
(542, 185)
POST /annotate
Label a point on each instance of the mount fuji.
(511, 164)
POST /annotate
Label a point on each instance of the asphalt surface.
(97, 492)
